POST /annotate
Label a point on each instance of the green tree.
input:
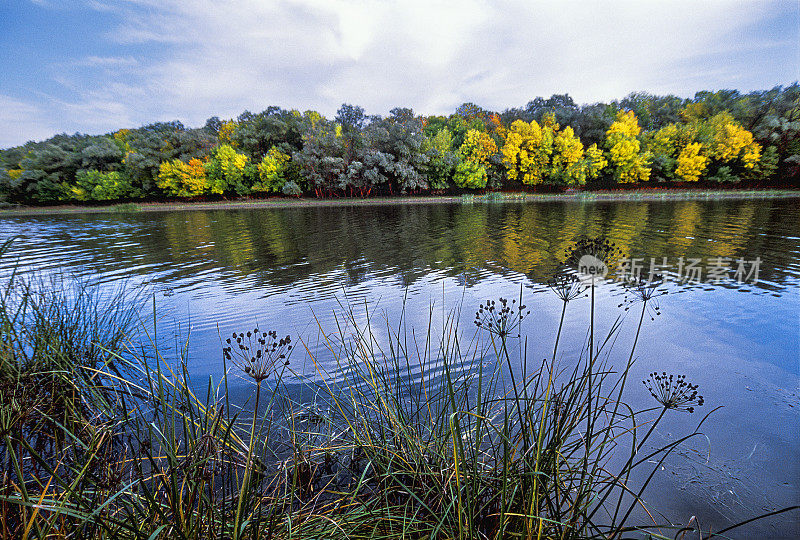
(96, 185)
(273, 171)
(227, 171)
(470, 174)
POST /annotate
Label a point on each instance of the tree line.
(722, 137)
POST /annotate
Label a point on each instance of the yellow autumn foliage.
(534, 153)
(624, 149)
(595, 161)
(478, 147)
(225, 169)
(271, 171)
(691, 164)
(183, 179)
(568, 157)
(526, 152)
(226, 130)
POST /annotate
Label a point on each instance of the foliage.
(546, 142)
(272, 171)
(663, 145)
(291, 188)
(691, 164)
(768, 165)
(470, 174)
(478, 147)
(724, 175)
(225, 132)
(534, 154)
(624, 150)
(595, 161)
(183, 179)
(442, 159)
(526, 152)
(100, 186)
(568, 165)
(227, 171)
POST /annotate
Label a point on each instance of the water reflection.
(241, 249)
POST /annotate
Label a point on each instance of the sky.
(94, 66)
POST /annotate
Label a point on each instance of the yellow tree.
(272, 171)
(478, 147)
(595, 161)
(226, 130)
(534, 153)
(226, 170)
(568, 164)
(526, 152)
(691, 164)
(624, 150)
(183, 179)
(731, 142)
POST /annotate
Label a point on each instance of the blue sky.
(98, 65)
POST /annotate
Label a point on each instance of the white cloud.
(219, 58)
(107, 61)
(21, 121)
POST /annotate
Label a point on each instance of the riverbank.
(285, 202)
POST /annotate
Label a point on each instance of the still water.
(210, 273)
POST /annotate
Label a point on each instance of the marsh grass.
(432, 434)
(126, 208)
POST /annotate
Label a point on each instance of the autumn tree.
(476, 153)
(273, 171)
(182, 179)
(526, 152)
(228, 171)
(691, 164)
(536, 153)
(629, 163)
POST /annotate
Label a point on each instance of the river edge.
(643, 195)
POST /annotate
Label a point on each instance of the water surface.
(215, 272)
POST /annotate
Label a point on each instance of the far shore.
(646, 195)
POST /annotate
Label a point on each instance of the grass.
(425, 435)
(126, 208)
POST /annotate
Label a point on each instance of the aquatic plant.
(673, 392)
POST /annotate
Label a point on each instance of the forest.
(721, 138)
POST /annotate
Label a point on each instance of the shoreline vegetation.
(444, 433)
(715, 139)
(643, 195)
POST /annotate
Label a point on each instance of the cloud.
(199, 58)
(21, 121)
(107, 61)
